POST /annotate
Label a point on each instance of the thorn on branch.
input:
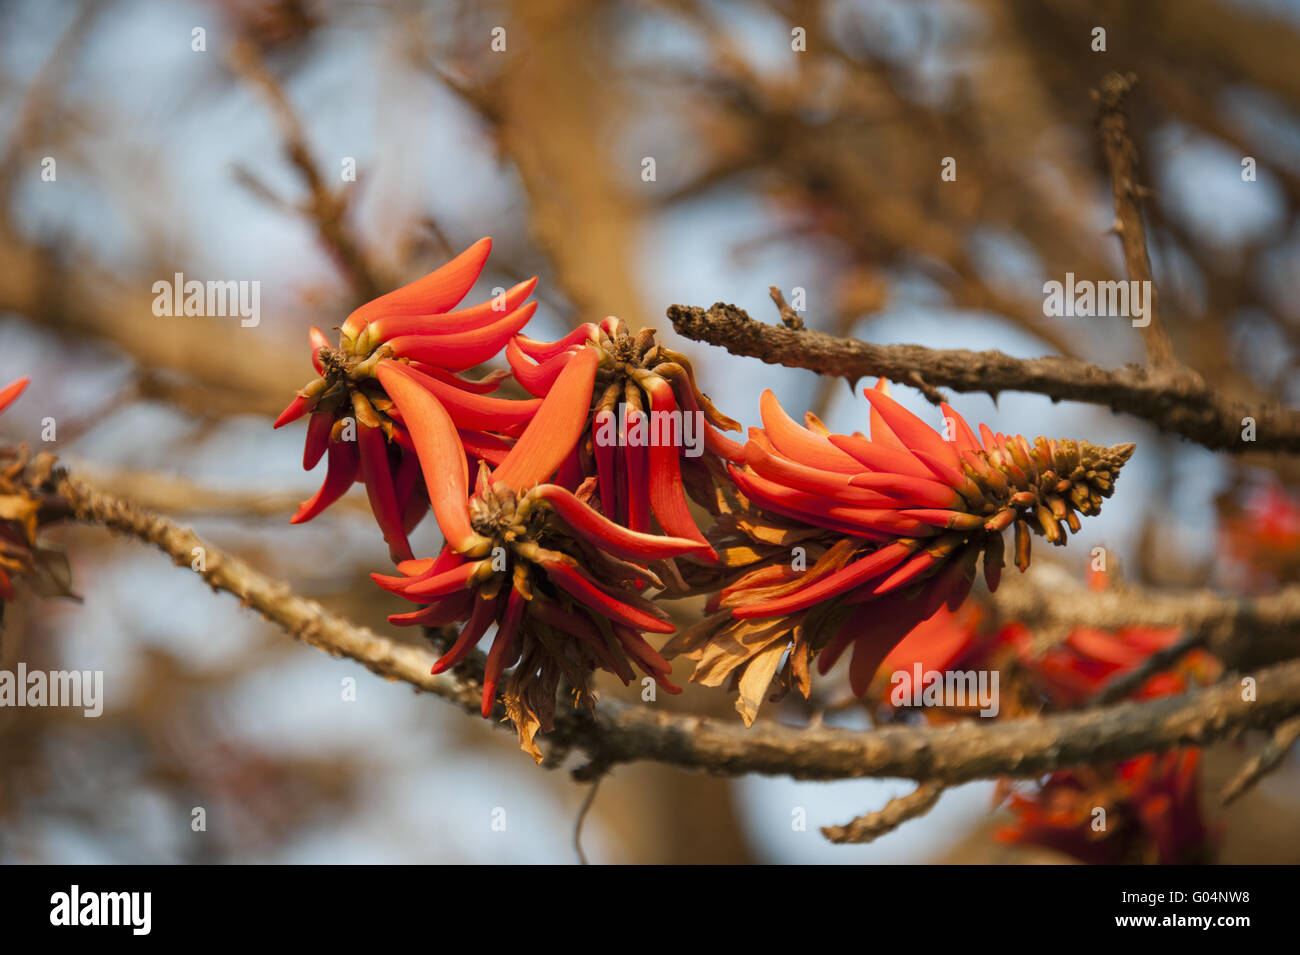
(789, 317)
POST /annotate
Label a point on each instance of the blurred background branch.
(816, 169)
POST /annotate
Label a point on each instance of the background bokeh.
(817, 170)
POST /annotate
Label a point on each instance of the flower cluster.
(353, 422)
(578, 507)
(566, 512)
(1152, 812)
(852, 541)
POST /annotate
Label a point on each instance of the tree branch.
(302, 619)
(1176, 400)
(626, 733)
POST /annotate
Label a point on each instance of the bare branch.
(302, 619)
(626, 733)
(1175, 400)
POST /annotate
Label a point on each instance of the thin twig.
(326, 207)
(1265, 761)
(893, 814)
(1122, 159)
(582, 816)
(1175, 400)
(1126, 683)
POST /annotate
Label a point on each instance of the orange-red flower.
(1259, 529)
(652, 437)
(1071, 673)
(13, 539)
(1151, 805)
(894, 526)
(558, 578)
(1151, 808)
(353, 422)
(29, 500)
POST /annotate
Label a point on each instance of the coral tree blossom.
(558, 579)
(353, 422)
(1152, 806)
(1151, 802)
(548, 506)
(846, 541)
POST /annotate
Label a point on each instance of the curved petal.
(485, 611)
(843, 580)
(776, 467)
(555, 428)
(541, 351)
(442, 457)
(318, 438)
(667, 493)
(461, 320)
(798, 443)
(378, 476)
(470, 411)
(298, 407)
(316, 338)
(440, 290)
(579, 586)
(537, 379)
(503, 648)
(9, 394)
(611, 537)
(442, 613)
(460, 350)
(913, 432)
(341, 470)
(882, 458)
